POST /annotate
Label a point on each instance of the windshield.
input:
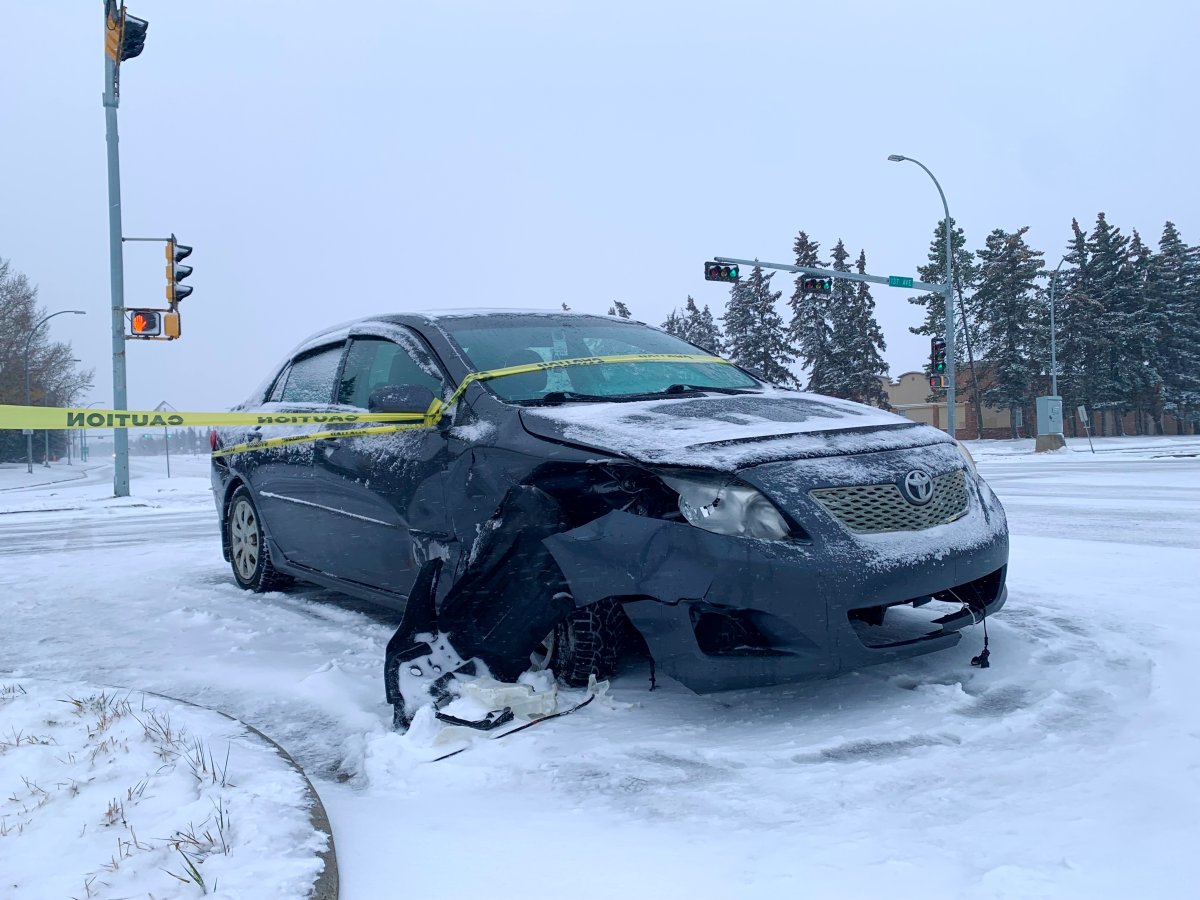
(499, 341)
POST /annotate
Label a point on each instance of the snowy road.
(1070, 768)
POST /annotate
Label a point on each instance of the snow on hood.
(729, 432)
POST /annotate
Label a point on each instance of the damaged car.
(531, 489)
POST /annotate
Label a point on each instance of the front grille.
(878, 508)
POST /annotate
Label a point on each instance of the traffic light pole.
(833, 273)
(893, 282)
(117, 274)
(890, 281)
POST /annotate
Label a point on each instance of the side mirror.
(400, 398)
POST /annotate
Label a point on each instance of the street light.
(1053, 336)
(28, 402)
(83, 452)
(46, 458)
(949, 291)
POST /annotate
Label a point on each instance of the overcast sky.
(333, 160)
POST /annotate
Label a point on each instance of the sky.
(335, 160)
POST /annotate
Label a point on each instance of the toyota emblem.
(918, 487)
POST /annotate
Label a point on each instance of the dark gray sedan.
(602, 480)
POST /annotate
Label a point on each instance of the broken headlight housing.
(721, 508)
(967, 457)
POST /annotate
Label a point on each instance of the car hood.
(729, 432)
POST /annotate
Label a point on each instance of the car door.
(282, 478)
(385, 492)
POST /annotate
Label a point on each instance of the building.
(909, 396)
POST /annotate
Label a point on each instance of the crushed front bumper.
(722, 613)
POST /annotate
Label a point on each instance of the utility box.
(1049, 424)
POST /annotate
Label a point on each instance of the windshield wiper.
(555, 397)
(692, 388)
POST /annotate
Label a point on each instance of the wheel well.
(587, 492)
(234, 484)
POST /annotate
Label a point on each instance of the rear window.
(495, 342)
(310, 379)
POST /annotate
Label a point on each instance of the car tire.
(587, 642)
(249, 554)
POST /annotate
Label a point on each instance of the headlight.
(967, 457)
(736, 509)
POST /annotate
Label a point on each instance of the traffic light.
(124, 34)
(715, 271)
(145, 323)
(154, 324)
(817, 285)
(937, 357)
(177, 253)
(938, 382)
(133, 37)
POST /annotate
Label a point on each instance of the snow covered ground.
(117, 793)
(1070, 768)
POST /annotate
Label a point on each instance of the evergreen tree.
(1117, 375)
(673, 324)
(840, 306)
(966, 275)
(700, 328)
(754, 329)
(1173, 292)
(1010, 311)
(856, 342)
(809, 327)
(1081, 343)
(1140, 319)
(696, 326)
(619, 309)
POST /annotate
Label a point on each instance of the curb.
(327, 883)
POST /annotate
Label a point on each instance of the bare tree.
(53, 375)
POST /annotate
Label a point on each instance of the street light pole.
(46, 458)
(1053, 335)
(83, 451)
(28, 400)
(948, 289)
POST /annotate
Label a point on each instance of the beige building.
(909, 395)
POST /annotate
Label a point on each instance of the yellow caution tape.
(53, 417)
(526, 368)
(56, 417)
(267, 443)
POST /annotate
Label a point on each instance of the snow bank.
(117, 793)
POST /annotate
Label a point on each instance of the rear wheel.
(249, 555)
(586, 642)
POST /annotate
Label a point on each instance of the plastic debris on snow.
(535, 695)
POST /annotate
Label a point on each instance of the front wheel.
(586, 642)
(249, 555)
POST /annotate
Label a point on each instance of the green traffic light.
(733, 271)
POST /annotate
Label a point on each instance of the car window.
(373, 363)
(276, 393)
(311, 377)
(497, 341)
